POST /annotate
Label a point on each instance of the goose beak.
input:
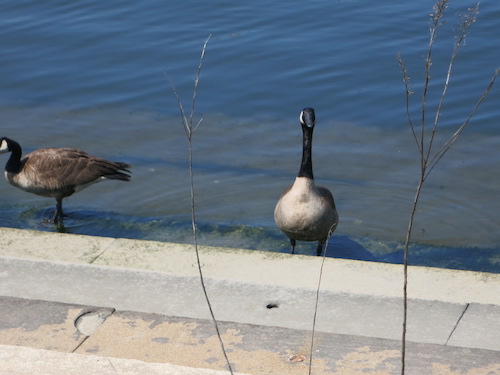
(307, 117)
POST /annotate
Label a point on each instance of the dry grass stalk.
(429, 158)
(316, 303)
(190, 129)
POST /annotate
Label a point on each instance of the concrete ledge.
(253, 294)
(254, 267)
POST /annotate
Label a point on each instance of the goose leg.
(319, 249)
(58, 216)
(292, 243)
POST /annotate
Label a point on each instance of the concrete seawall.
(138, 306)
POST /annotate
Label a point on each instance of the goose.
(57, 172)
(306, 212)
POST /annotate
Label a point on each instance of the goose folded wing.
(62, 168)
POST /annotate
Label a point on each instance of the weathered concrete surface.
(39, 324)
(155, 292)
(29, 361)
(142, 300)
(51, 246)
(185, 344)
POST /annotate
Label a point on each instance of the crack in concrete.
(457, 323)
(104, 250)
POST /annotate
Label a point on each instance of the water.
(94, 75)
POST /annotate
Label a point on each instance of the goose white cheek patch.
(4, 147)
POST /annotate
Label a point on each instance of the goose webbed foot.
(292, 246)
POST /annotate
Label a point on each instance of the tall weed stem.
(428, 157)
(190, 130)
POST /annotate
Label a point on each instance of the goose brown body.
(58, 172)
(306, 212)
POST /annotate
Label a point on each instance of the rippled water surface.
(95, 75)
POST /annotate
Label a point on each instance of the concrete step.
(128, 300)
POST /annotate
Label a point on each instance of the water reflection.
(91, 76)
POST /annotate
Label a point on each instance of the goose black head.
(307, 117)
(9, 145)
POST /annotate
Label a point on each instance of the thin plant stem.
(190, 129)
(405, 274)
(439, 8)
(316, 304)
(459, 41)
(195, 90)
(428, 160)
(447, 145)
(409, 92)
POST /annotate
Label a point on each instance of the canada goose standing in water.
(57, 172)
(306, 212)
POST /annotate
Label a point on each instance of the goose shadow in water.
(344, 247)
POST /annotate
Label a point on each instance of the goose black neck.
(306, 164)
(14, 163)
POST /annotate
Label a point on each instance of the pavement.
(72, 304)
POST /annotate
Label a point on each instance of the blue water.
(95, 75)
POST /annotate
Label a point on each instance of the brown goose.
(57, 172)
(306, 212)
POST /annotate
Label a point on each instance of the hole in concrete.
(272, 306)
(297, 358)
